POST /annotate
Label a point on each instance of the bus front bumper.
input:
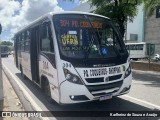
(74, 93)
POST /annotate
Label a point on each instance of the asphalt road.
(144, 96)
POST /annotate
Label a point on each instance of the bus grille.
(101, 79)
(96, 88)
(115, 77)
(95, 80)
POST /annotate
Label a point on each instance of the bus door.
(47, 63)
(47, 55)
(34, 54)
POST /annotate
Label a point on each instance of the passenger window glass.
(22, 46)
(46, 38)
(27, 41)
(27, 46)
(23, 36)
(28, 35)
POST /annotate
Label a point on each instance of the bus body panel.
(69, 89)
(53, 67)
(26, 64)
(47, 69)
(100, 72)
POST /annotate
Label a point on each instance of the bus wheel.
(23, 75)
(48, 92)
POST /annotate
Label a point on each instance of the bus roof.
(50, 14)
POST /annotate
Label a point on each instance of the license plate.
(105, 97)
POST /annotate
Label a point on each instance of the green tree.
(120, 11)
(8, 43)
(150, 6)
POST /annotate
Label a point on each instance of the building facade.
(152, 30)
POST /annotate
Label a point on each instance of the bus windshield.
(87, 36)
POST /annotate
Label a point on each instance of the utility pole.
(1, 81)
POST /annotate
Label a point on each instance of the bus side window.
(127, 47)
(21, 41)
(27, 40)
(130, 47)
(23, 36)
(46, 38)
(141, 47)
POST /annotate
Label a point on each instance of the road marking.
(26, 93)
(142, 101)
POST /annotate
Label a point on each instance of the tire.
(47, 91)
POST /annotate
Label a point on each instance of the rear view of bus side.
(74, 57)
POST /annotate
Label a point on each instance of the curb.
(22, 95)
(145, 66)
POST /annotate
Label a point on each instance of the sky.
(15, 14)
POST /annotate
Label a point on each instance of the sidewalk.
(11, 101)
(144, 66)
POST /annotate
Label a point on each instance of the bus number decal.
(45, 65)
(65, 65)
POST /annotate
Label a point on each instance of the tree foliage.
(150, 6)
(8, 43)
(120, 11)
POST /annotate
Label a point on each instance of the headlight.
(68, 76)
(128, 72)
(72, 77)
